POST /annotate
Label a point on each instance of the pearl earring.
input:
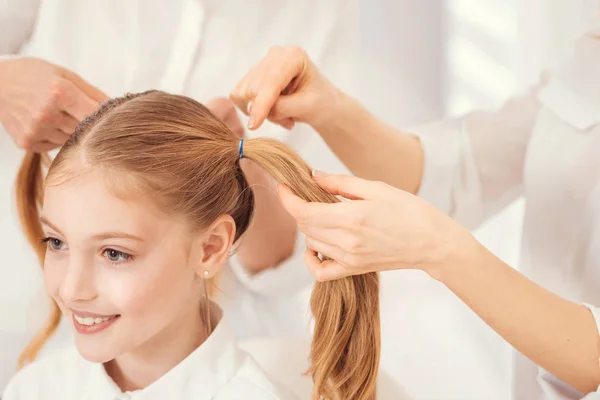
(205, 273)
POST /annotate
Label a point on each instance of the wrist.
(460, 255)
(339, 109)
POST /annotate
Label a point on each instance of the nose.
(78, 283)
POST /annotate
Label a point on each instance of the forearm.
(271, 237)
(372, 149)
(558, 335)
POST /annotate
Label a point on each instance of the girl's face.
(120, 270)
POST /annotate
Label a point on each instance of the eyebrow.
(45, 221)
(100, 236)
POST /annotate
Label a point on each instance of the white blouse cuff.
(441, 147)
(289, 277)
(596, 313)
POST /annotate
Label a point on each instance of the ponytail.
(346, 343)
(29, 193)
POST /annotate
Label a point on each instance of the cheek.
(54, 269)
(141, 290)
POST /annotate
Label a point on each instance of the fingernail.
(249, 108)
(251, 122)
(318, 174)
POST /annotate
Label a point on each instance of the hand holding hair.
(380, 228)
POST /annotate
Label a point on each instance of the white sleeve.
(274, 303)
(17, 19)
(474, 164)
(555, 389)
(288, 277)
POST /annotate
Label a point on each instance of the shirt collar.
(200, 376)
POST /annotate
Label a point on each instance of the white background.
(422, 60)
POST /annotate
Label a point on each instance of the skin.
(42, 103)
(112, 255)
(384, 226)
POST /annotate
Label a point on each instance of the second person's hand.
(379, 228)
(285, 87)
(42, 103)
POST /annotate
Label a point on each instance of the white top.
(543, 145)
(216, 370)
(200, 48)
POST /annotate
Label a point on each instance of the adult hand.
(42, 103)
(224, 109)
(379, 228)
(285, 87)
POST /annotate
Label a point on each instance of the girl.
(141, 208)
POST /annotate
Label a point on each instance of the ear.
(211, 248)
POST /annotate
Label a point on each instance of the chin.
(99, 352)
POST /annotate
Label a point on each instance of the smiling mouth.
(93, 324)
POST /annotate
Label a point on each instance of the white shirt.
(544, 145)
(216, 370)
(198, 48)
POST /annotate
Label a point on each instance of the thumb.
(294, 106)
(89, 90)
(350, 187)
(292, 203)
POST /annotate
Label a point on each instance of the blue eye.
(54, 244)
(115, 256)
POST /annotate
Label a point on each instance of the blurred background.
(422, 60)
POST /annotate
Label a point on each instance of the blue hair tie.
(241, 148)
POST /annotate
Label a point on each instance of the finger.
(287, 123)
(323, 271)
(56, 119)
(350, 187)
(326, 249)
(304, 212)
(324, 215)
(290, 105)
(336, 237)
(89, 90)
(292, 203)
(261, 105)
(241, 95)
(67, 123)
(70, 99)
(44, 146)
(286, 65)
(51, 122)
(53, 135)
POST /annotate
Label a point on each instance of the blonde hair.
(188, 162)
